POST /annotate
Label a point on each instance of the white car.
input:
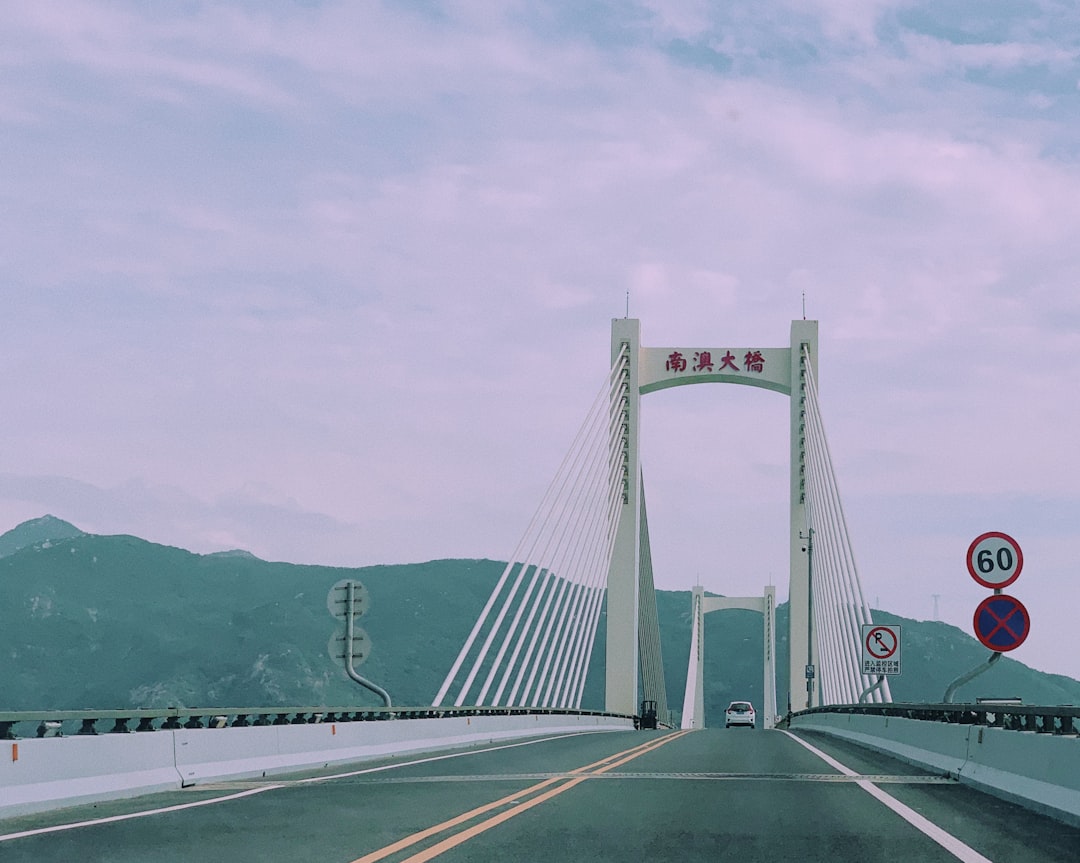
(740, 713)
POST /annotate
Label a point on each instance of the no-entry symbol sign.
(1002, 622)
(880, 648)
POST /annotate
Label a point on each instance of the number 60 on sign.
(994, 560)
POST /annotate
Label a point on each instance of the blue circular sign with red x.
(1001, 622)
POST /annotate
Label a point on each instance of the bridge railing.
(1060, 720)
(86, 722)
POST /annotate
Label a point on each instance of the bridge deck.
(736, 794)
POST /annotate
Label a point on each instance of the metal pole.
(950, 691)
(871, 688)
(810, 616)
(964, 678)
(367, 684)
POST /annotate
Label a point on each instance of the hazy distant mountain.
(90, 621)
(38, 530)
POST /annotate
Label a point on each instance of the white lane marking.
(946, 840)
(142, 814)
(226, 798)
(441, 757)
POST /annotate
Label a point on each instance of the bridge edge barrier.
(39, 775)
(1038, 771)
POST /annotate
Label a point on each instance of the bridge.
(506, 764)
(590, 537)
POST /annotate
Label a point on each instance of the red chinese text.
(676, 362)
(754, 361)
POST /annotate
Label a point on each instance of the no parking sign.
(1001, 622)
(881, 648)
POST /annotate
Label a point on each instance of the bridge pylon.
(534, 637)
(637, 370)
(693, 712)
(623, 598)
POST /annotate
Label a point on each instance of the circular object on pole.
(994, 560)
(1001, 622)
(339, 648)
(881, 642)
(337, 600)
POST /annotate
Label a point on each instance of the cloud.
(246, 519)
(334, 282)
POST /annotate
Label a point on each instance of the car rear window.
(740, 706)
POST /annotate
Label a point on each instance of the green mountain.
(35, 532)
(102, 622)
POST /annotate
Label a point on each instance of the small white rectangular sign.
(880, 648)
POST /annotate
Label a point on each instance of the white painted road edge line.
(129, 815)
(946, 840)
(224, 799)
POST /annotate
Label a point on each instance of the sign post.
(1001, 622)
(348, 600)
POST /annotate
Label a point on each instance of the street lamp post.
(810, 670)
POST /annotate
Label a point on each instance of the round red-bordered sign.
(881, 642)
(1001, 622)
(994, 560)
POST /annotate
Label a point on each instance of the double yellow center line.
(555, 786)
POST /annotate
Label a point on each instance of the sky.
(333, 282)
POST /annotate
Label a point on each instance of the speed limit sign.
(995, 560)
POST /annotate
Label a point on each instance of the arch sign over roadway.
(768, 368)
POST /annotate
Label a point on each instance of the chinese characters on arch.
(752, 362)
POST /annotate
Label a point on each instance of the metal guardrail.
(52, 723)
(1060, 720)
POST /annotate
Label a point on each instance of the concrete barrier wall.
(36, 775)
(204, 755)
(933, 745)
(1040, 771)
(41, 774)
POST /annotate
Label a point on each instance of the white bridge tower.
(644, 370)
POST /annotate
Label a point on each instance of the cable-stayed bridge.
(504, 765)
(590, 536)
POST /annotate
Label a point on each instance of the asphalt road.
(718, 795)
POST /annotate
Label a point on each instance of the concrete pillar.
(768, 609)
(802, 333)
(693, 712)
(621, 690)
